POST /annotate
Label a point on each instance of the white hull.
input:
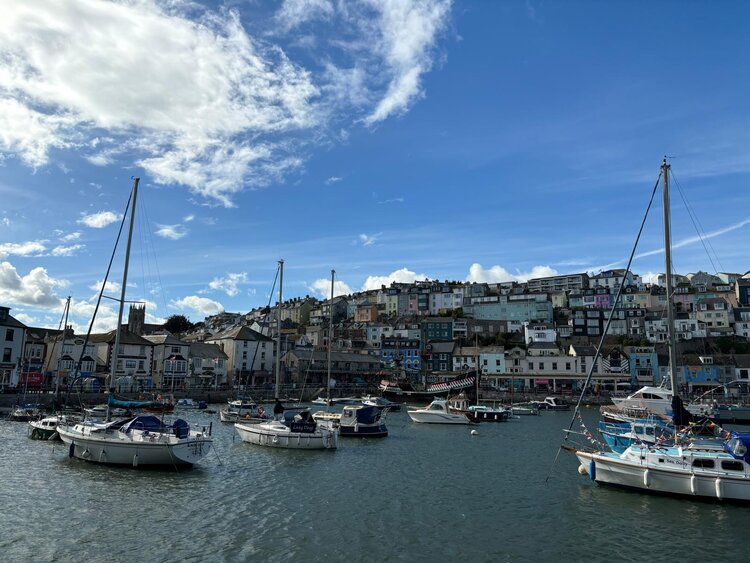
(670, 476)
(438, 418)
(274, 434)
(97, 444)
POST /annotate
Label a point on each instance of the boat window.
(436, 407)
(649, 430)
(638, 429)
(732, 465)
(705, 463)
(647, 396)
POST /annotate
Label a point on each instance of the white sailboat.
(719, 471)
(301, 432)
(139, 440)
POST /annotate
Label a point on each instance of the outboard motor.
(181, 428)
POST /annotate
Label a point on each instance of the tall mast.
(330, 339)
(278, 329)
(668, 268)
(62, 352)
(116, 349)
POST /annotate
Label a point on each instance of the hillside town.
(537, 336)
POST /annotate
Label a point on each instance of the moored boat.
(438, 412)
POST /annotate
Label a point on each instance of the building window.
(554, 365)
(141, 365)
(6, 355)
(9, 335)
(175, 349)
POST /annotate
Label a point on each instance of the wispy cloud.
(236, 97)
(28, 248)
(368, 240)
(188, 218)
(99, 220)
(173, 232)
(5, 221)
(67, 250)
(333, 180)
(71, 236)
(393, 200)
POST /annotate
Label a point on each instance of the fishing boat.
(134, 441)
(438, 412)
(716, 471)
(296, 430)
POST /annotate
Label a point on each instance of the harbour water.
(425, 493)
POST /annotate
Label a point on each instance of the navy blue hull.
(364, 431)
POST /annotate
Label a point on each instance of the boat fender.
(135, 460)
(718, 486)
(102, 456)
(474, 433)
(86, 454)
(72, 449)
(582, 470)
(646, 479)
(275, 439)
(693, 484)
(592, 470)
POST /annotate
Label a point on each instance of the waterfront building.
(492, 364)
(134, 361)
(310, 367)
(440, 356)
(713, 312)
(742, 322)
(62, 353)
(700, 372)
(250, 355)
(170, 361)
(208, 366)
(13, 333)
(539, 333)
(465, 358)
(567, 282)
(643, 364)
(374, 333)
(34, 355)
(398, 350)
(612, 279)
(437, 328)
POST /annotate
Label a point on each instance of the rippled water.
(424, 493)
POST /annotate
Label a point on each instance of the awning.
(541, 381)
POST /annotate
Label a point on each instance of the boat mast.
(278, 330)
(116, 349)
(330, 340)
(665, 168)
(62, 351)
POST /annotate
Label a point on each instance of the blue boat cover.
(368, 415)
(145, 422)
(739, 445)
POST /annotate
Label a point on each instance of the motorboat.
(45, 428)
(438, 412)
(25, 413)
(381, 403)
(490, 414)
(524, 410)
(190, 404)
(99, 412)
(552, 404)
(655, 399)
(356, 421)
(620, 435)
(245, 410)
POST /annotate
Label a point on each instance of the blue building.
(644, 365)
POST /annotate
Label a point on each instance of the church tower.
(136, 319)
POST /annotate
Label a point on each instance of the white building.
(13, 334)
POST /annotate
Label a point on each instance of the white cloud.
(113, 287)
(5, 221)
(408, 33)
(100, 219)
(188, 218)
(393, 200)
(650, 277)
(195, 98)
(498, 274)
(67, 250)
(201, 305)
(400, 276)
(229, 284)
(26, 319)
(71, 236)
(28, 248)
(368, 240)
(36, 288)
(333, 180)
(174, 232)
(322, 287)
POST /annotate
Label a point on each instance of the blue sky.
(389, 140)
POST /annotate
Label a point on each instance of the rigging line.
(590, 373)
(77, 369)
(257, 344)
(150, 244)
(698, 227)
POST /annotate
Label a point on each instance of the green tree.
(177, 324)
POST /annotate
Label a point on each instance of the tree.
(177, 324)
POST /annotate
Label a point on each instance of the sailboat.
(138, 440)
(711, 471)
(298, 430)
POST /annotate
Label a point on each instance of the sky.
(389, 140)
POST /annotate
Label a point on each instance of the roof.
(321, 356)
(240, 333)
(12, 321)
(207, 351)
(126, 337)
(543, 346)
(165, 339)
(442, 347)
(582, 350)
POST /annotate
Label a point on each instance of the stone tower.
(136, 319)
